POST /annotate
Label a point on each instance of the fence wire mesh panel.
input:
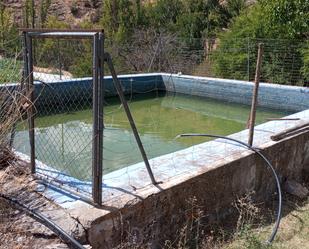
(13, 97)
(284, 60)
(63, 74)
(64, 114)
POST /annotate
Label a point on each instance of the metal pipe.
(255, 94)
(100, 127)
(96, 164)
(45, 221)
(288, 132)
(61, 30)
(123, 100)
(283, 119)
(62, 33)
(30, 112)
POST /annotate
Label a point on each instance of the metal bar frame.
(97, 37)
(98, 88)
(63, 33)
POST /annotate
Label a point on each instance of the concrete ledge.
(291, 98)
(214, 172)
(282, 97)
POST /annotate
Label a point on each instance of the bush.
(281, 25)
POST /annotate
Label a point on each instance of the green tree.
(9, 41)
(29, 14)
(272, 19)
(163, 14)
(44, 5)
(118, 18)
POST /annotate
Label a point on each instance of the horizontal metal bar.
(61, 30)
(61, 33)
(287, 132)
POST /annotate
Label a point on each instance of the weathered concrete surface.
(282, 97)
(213, 172)
(275, 96)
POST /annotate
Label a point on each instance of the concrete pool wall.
(214, 172)
(291, 98)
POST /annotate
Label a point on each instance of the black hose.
(278, 218)
(64, 236)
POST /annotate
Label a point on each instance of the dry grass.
(293, 232)
(250, 228)
(17, 230)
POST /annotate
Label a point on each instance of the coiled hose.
(269, 165)
(64, 236)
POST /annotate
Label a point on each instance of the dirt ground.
(18, 230)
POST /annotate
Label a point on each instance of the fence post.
(96, 179)
(28, 69)
(248, 58)
(255, 94)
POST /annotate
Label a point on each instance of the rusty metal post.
(96, 179)
(255, 94)
(118, 87)
(101, 100)
(30, 91)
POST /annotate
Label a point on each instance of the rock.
(295, 188)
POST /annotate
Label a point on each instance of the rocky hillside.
(73, 11)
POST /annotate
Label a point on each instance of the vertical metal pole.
(248, 58)
(255, 94)
(129, 115)
(59, 60)
(30, 92)
(101, 104)
(25, 58)
(101, 90)
(96, 180)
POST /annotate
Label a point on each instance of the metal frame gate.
(98, 59)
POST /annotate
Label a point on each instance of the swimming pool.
(64, 139)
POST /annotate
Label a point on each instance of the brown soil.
(17, 230)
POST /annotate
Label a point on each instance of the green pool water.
(64, 140)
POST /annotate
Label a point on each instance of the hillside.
(72, 11)
(65, 10)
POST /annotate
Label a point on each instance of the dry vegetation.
(17, 230)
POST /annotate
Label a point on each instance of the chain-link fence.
(64, 114)
(283, 60)
(63, 121)
(64, 110)
(13, 100)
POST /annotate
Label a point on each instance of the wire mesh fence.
(64, 115)
(283, 61)
(61, 145)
